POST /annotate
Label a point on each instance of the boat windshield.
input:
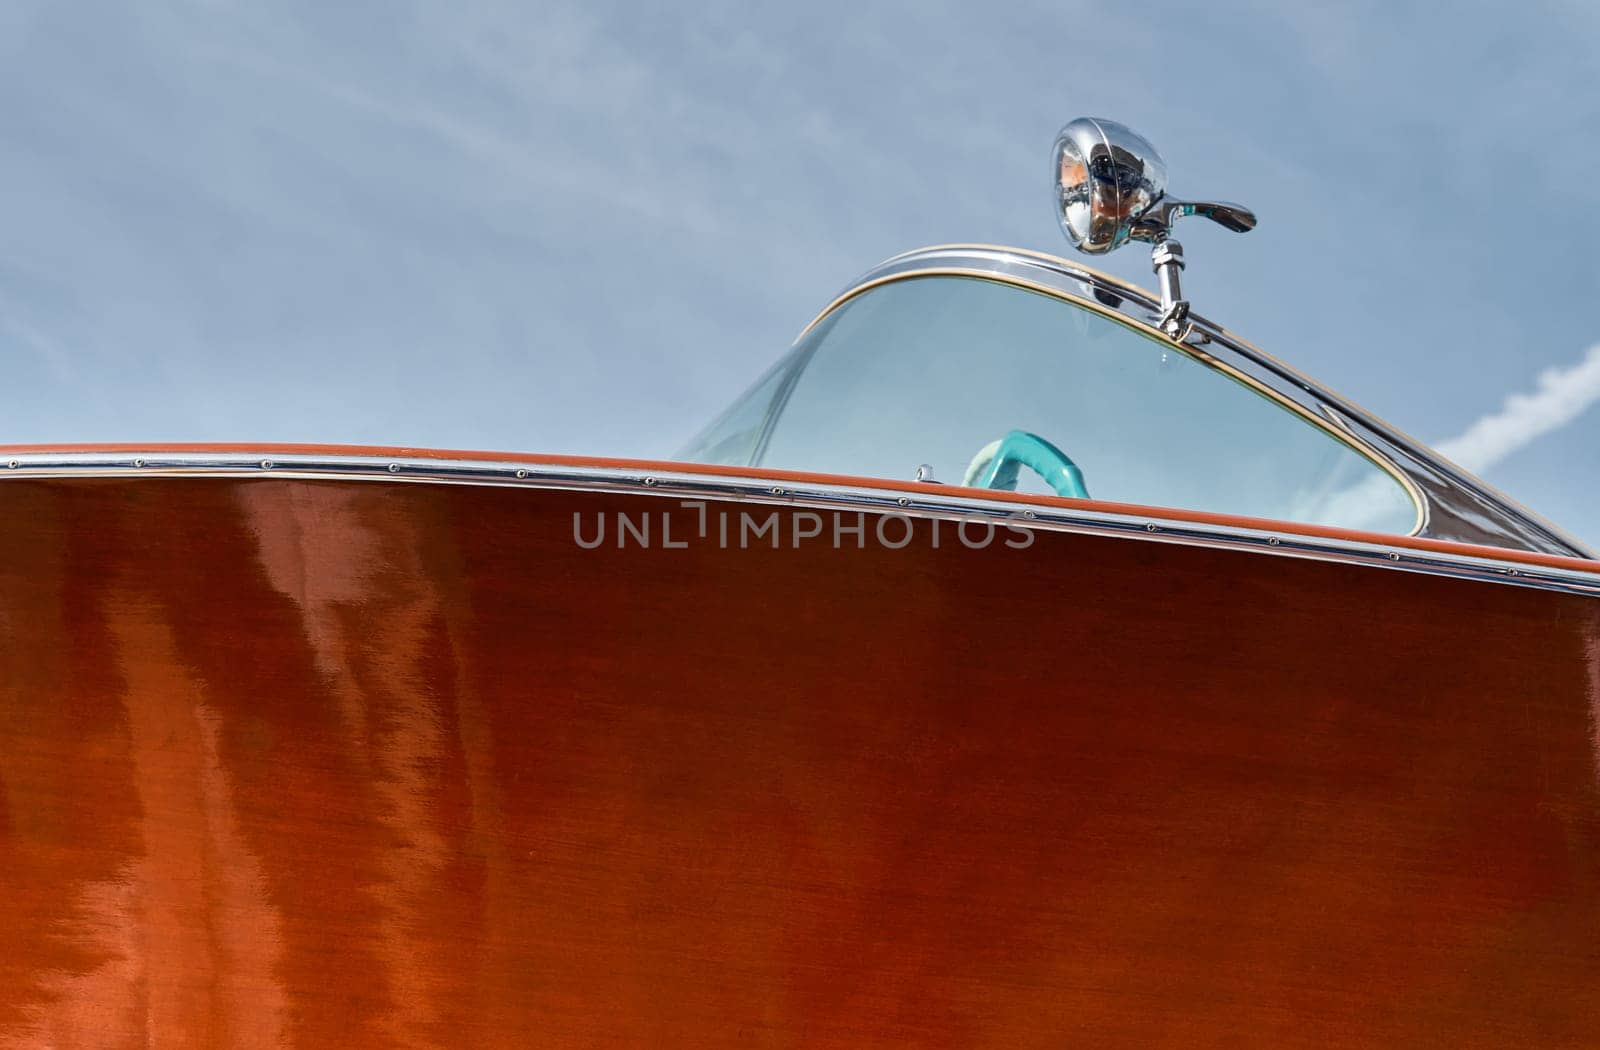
(997, 386)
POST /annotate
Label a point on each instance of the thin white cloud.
(1561, 396)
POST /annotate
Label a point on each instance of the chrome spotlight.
(1111, 187)
(1107, 178)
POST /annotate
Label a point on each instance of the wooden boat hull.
(345, 763)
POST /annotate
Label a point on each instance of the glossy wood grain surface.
(338, 763)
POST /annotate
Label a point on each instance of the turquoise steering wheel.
(999, 463)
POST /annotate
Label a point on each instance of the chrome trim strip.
(1457, 505)
(688, 484)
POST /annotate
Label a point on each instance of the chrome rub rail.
(688, 484)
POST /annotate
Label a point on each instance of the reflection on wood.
(291, 763)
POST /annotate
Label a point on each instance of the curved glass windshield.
(996, 386)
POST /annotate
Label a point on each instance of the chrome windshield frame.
(1453, 504)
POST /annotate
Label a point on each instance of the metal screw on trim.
(394, 468)
(1030, 515)
(1393, 556)
(1152, 527)
(522, 473)
(777, 491)
(1272, 541)
(649, 481)
(138, 462)
(266, 464)
(14, 464)
(903, 502)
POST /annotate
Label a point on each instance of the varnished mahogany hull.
(344, 763)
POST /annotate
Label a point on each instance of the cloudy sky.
(583, 227)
